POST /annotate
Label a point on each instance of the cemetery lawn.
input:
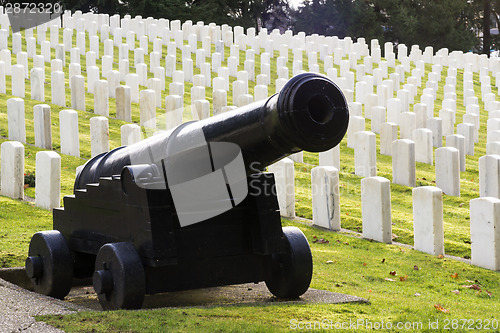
(422, 288)
(346, 264)
(18, 222)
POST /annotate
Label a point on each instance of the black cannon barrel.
(310, 113)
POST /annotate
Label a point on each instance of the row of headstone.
(376, 211)
(47, 180)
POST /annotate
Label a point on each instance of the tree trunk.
(486, 27)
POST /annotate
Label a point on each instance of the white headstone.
(403, 162)
(493, 148)
(18, 80)
(407, 123)
(16, 119)
(58, 90)
(423, 145)
(174, 109)
(148, 108)
(101, 98)
(356, 124)
(130, 134)
(285, 188)
(68, 126)
(378, 114)
(467, 131)
(376, 209)
(428, 228)
(38, 84)
(325, 197)
(78, 92)
(435, 125)
(458, 141)
(484, 226)
(132, 81)
(12, 169)
(42, 125)
(330, 157)
(365, 155)
(388, 133)
(219, 100)
(123, 103)
(489, 176)
(48, 180)
(99, 135)
(201, 109)
(448, 170)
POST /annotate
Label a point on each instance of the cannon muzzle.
(310, 113)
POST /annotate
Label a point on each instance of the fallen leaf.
(369, 290)
(402, 250)
(440, 256)
(415, 268)
(456, 291)
(390, 280)
(383, 260)
(393, 273)
(439, 307)
(394, 236)
(454, 275)
(472, 286)
(346, 213)
(489, 293)
(321, 241)
(364, 264)
(403, 278)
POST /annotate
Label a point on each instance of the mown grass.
(345, 264)
(347, 273)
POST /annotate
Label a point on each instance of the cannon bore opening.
(320, 109)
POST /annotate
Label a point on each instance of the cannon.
(191, 207)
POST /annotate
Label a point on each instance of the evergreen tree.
(444, 23)
(354, 18)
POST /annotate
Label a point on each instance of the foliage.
(340, 18)
(29, 179)
(266, 13)
(446, 23)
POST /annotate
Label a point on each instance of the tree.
(354, 18)
(444, 23)
(487, 12)
(245, 13)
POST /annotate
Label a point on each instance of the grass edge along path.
(404, 286)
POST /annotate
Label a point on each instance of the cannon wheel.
(291, 272)
(119, 280)
(49, 264)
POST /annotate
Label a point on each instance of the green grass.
(18, 221)
(347, 273)
(346, 264)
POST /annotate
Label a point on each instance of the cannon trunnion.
(136, 229)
